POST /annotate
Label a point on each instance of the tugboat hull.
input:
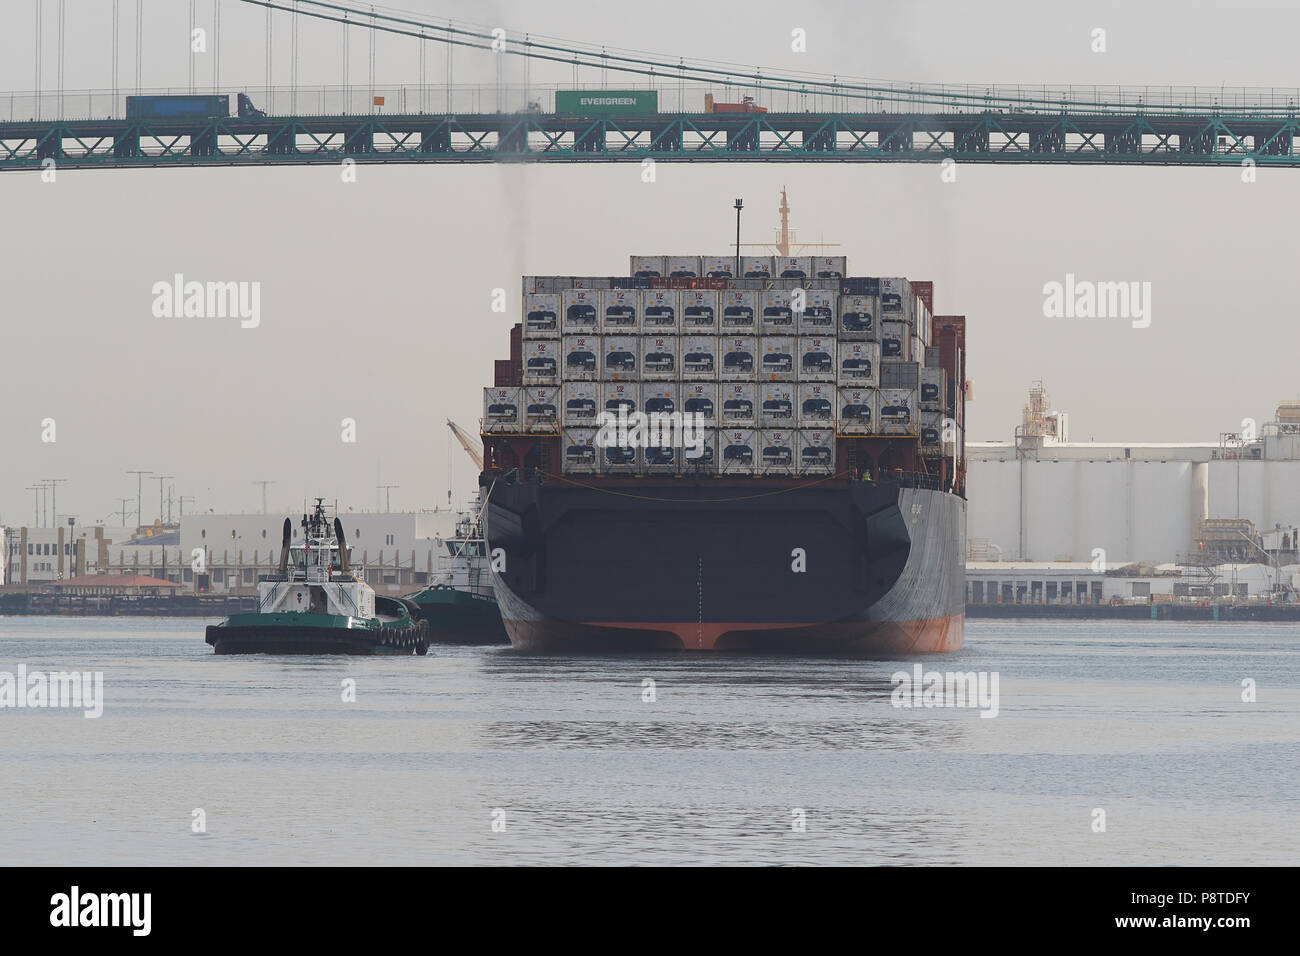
(458, 617)
(302, 637)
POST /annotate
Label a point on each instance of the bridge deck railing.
(684, 97)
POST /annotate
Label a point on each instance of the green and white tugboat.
(459, 604)
(316, 604)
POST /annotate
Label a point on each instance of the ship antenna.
(784, 245)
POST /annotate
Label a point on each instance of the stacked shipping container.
(776, 363)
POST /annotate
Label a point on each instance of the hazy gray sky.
(376, 294)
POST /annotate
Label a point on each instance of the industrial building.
(1043, 498)
(222, 554)
(1054, 521)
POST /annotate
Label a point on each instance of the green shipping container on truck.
(605, 102)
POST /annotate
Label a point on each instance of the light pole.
(740, 204)
(36, 521)
(54, 499)
(160, 479)
(263, 484)
(139, 494)
(388, 492)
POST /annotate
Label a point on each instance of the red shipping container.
(714, 283)
(659, 282)
(925, 292)
(950, 333)
(517, 343)
(955, 324)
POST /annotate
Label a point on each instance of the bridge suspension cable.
(980, 98)
(139, 41)
(39, 18)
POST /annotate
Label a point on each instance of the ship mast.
(785, 242)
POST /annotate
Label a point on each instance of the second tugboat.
(315, 604)
(459, 604)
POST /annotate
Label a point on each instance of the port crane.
(466, 442)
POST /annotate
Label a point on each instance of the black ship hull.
(832, 567)
(308, 639)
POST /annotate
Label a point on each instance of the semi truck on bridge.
(189, 106)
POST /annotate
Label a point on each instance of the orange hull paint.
(940, 635)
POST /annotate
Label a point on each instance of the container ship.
(817, 505)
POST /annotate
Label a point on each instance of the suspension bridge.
(681, 111)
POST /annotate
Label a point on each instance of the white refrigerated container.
(737, 404)
(659, 398)
(830, 267)
(718, 267)
(659, 358)
(501, 411)
(700, 455)
(816, 451)
(739, 311)
(898, 414)
(895, 340)
(858, 364)
(778, 360)
(622, 358)
(778, 448)
(582, 356)
(582, 401)
(700, 358)
(792, 267)
(737, 454)
(581, 456)
(542, 409)
(541, 315)
(700, 398)
(777, 313)
(581, 311)
(894, 293)
(660, 313)
(683, 267)
(858, 317)
(618, 459)
(541, 361)
(740, 358)
(648, 267)
(777, 406)
(699, 311)
(817, 358)
(621, 311)
(931, 433)
(856, 411)
(619, 395)
(816, 408)
(934, 383)
(818, 315)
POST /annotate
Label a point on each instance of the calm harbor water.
(1141, 719)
